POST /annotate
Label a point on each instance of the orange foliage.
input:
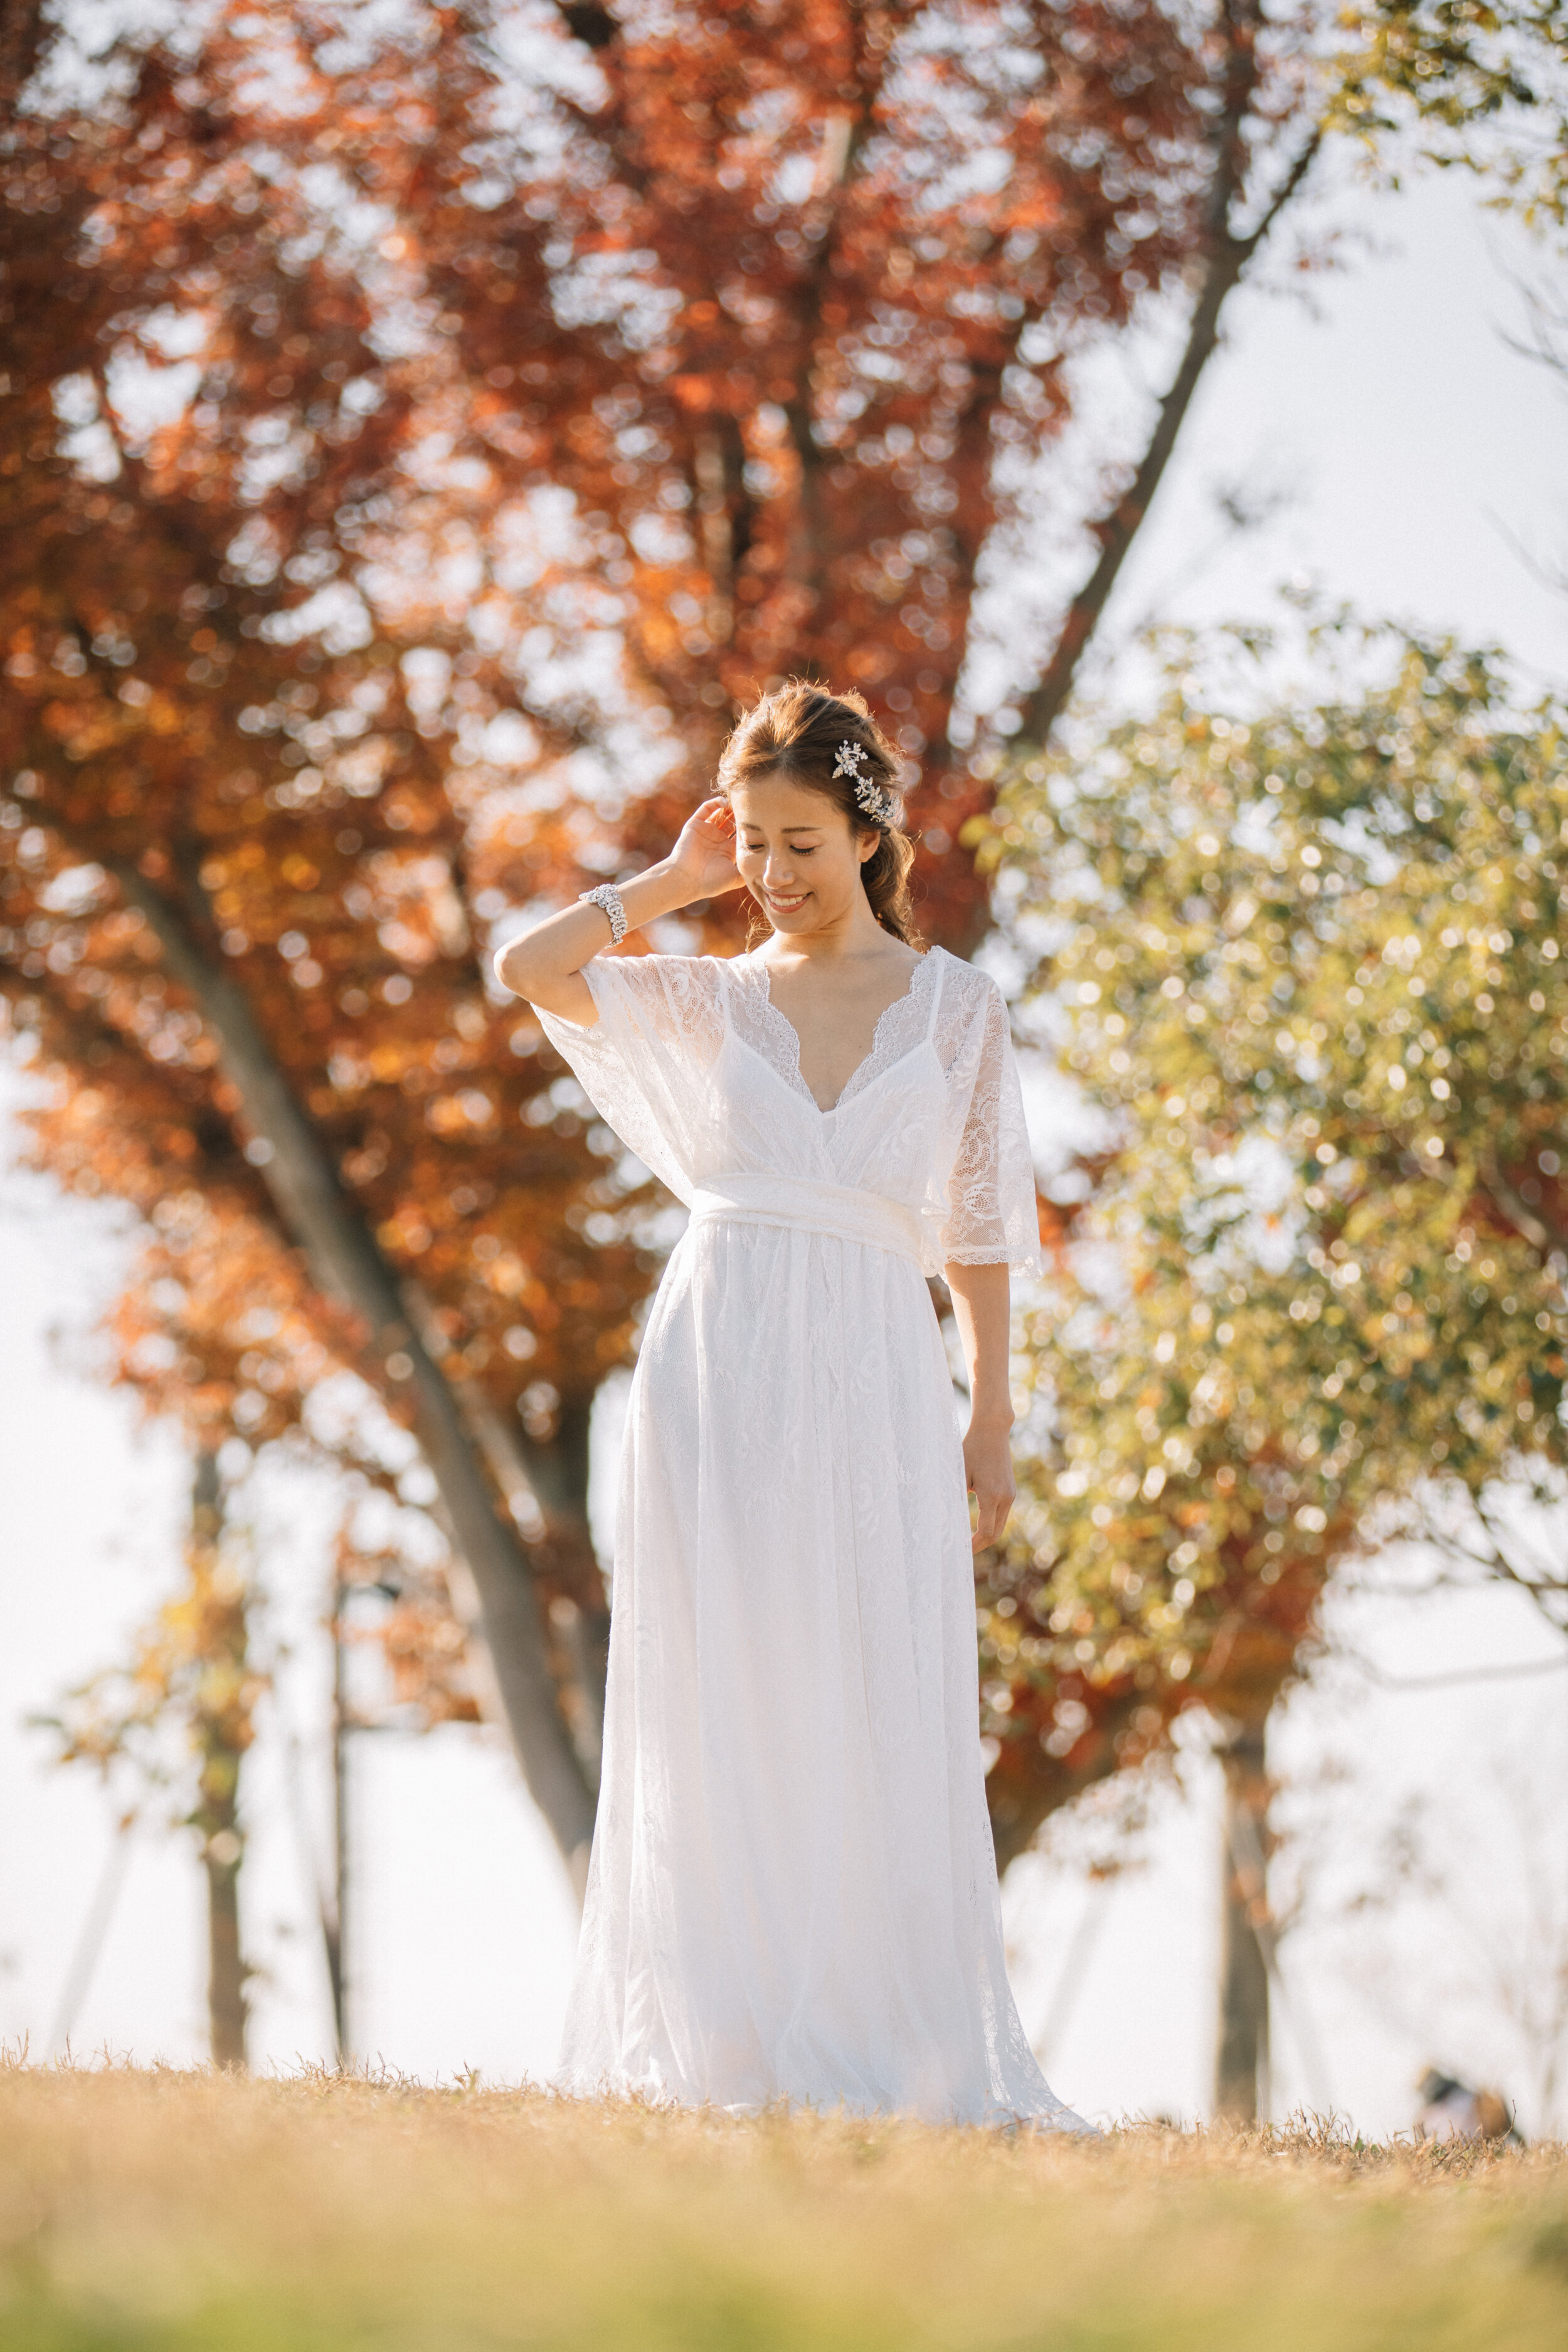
(415, 449)
(778, 292)
(841, 331)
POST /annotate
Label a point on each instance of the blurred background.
(421, 434)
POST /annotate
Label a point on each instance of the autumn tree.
(263, 998)
(418, 437)
(258, 793)
(775, 292)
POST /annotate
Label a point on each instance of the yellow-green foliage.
(176, 2214)
(1313, 964)
(1484, 81)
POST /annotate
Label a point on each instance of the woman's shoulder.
(963, 984)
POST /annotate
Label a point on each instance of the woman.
(792, 1890)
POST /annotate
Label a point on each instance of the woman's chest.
(833, 1027)
(889, 1128)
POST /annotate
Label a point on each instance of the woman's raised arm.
(545, 964)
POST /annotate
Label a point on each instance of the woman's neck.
(856, 938)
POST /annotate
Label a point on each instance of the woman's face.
(797, 853)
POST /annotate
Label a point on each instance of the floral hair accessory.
(877, 805)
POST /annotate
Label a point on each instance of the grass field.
(204, 2214)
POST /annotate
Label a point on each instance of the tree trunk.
(1241, 2065)
(544, 1485)
(223, 1845)
(227, 2010)
(558, 1477)
(346, 1263)
(334, 1919)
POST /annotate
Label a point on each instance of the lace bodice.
(771, 1036)
(699, 1073)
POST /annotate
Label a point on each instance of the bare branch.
(1227, 255)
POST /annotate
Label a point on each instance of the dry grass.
(192, 2213)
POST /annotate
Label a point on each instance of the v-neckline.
(866, 1059)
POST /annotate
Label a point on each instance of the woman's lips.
(786, 905)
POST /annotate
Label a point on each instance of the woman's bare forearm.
(544, 965)
(982, 1310)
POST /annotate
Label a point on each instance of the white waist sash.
(750, 1198)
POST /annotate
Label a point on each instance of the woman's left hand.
(988, 1469)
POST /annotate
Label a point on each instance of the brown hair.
(796, 731)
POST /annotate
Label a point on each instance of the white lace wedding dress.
(793, 1891)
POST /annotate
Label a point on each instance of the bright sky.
(1420, 449)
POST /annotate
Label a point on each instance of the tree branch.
(1527, 1222)
(1227, 255)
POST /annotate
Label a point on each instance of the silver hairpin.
(877, 805)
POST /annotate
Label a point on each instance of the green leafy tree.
(1310, 964)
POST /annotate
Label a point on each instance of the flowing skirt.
(793, 1891)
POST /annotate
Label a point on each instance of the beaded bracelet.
(607, 897)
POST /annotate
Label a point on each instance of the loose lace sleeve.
(992, 1214)
(645, 1063)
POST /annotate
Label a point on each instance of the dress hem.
(995, 2115)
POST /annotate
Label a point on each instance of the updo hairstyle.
(795, 732)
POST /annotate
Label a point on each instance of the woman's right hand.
(704, 855)
(545, 964)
